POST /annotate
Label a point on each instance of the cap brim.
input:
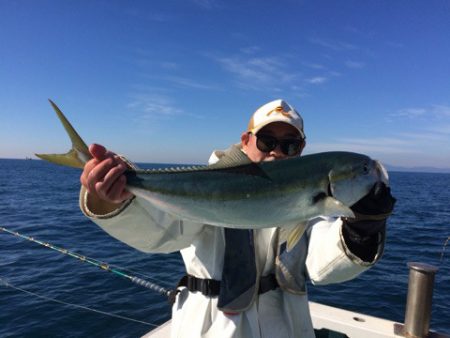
(255, 130)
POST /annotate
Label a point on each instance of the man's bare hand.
(103, 175)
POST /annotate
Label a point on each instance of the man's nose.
(277, 152)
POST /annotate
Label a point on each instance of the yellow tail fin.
(78, 155)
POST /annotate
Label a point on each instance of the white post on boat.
(418, 304)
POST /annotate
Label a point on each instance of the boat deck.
(333, 322)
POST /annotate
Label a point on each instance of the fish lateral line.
(252, 169)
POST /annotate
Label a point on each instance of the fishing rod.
(102, 265)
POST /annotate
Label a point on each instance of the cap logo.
(280, 110)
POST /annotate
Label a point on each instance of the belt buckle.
(191, 283)
(205, 287)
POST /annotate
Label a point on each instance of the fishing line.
(6, 283)
(102, 265)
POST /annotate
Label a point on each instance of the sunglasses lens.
(290, 147)
(266, 143)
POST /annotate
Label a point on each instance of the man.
(241, 283)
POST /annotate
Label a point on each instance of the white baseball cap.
(275, 111)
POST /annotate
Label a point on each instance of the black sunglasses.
(288, 146)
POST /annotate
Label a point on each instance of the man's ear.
(245, 137)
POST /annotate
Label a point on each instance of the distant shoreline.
(425, 170)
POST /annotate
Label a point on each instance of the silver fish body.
(278, 193)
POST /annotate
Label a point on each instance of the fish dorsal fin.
(235, 157)
(234, 161)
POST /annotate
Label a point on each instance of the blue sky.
(169, 81)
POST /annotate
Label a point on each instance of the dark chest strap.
(211, 287)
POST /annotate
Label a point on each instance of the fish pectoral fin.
(331, 207)
(292, 236)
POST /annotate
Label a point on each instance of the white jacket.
(274, 314)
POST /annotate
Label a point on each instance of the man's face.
(278, 130)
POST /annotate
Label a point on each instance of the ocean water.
(41, 200)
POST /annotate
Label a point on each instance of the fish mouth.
(381, 173)
(329, 189)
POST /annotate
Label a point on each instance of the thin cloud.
(359, 32)
(355, 64)
(244, 71)
(250, 49)
(441, 110)
(277, 73)
(334, 73)
(156, 107)
(399, 147)
(314, 65)
(333, 44)
(395, 44)
(153, 106)
(258, 72)
(428, 135)
(441, 129)
(270, 63)
(208, 4)
(148, 16)
(317, 80)
(410, 112)
(360, 148)
(180, 81)
(385, 145)
(169, 65)
(431, 112)
(189, 83)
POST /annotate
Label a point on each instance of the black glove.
(377, 204)
(362, 233)
(372, 210)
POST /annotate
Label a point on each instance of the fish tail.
(78, 155)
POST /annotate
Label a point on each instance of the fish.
(237, 193)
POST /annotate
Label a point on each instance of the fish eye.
(365, 168)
